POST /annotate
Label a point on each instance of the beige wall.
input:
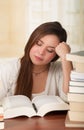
(18, 18)
(4, 21)
(12, 27)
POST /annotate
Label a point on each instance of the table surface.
(52, 121)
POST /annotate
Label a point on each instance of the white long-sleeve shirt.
(9, 71)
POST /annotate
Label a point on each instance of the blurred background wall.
(18, 18)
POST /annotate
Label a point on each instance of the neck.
(40, 69)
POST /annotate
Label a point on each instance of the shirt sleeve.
(6, 72)
(59, 80)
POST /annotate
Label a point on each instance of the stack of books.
(75, 115)
(1, 118)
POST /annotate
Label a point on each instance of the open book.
(76, 56)
(78, 60)
(1, 118)
(20, 105)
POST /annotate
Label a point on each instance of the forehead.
(50, 40)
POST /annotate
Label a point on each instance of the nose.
(42, 50)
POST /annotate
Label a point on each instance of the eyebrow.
(48, 46)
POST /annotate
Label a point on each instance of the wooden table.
(52, 121)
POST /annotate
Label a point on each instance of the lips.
(38, 58)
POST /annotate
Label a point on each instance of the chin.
(36, 63)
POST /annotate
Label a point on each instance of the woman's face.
(43, 51)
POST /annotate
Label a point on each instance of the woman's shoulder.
(56, 67)
(56, 64)
(9, 63)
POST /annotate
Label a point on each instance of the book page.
(45, 99)
(45, 104)
(17, 105)
(16, 101)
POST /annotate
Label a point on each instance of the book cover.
(76, 83)
(75, 97)
(76, 89)
(79, 67)
(20, 105)
(76, 75)
(76, 106)
(75, 124)
(76, 56)
(76, 79)
(1, 118)
(76, 116)
(77, 59)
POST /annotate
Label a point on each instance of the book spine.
(1, 118)
(76, 89)
(76, 116)
(76, 106)
(75, 97)
(76, 83)
(79, 67)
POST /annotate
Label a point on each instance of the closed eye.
(50, 50)
(39, 43)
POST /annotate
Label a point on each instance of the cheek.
(50, 57)
(33, 50)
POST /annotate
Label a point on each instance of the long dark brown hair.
(25, 80)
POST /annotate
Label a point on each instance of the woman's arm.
(62, 49)
(7, 71)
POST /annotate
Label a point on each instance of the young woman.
(39, 71)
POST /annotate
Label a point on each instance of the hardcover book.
(1, 118)
(78, 59)
(69, 123)
(75, 97)
(76, 89)
(76, 116)
(76, 83)
(76, 75)
(76, 56)
(76, 106)
(20, 105)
